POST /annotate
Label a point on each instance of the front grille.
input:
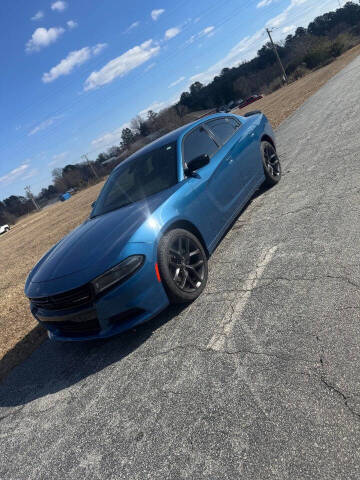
(74, 329)
(63, 301)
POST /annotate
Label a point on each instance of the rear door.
(240, 165)
(226, 182)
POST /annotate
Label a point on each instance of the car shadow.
(55, 366)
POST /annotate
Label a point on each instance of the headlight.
(118, 273)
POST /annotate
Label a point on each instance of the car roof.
(173, 136)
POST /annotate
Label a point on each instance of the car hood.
(96, 242)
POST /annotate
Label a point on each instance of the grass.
(33, 235)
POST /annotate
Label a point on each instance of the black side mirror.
(197, 162)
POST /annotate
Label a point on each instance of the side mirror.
(197, 162)
(93, 204)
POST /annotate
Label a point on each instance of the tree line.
(325, 38)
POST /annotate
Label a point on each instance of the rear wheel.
(183, 265)
(271, 163)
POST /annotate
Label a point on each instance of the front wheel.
(183, 265)
(271, 164)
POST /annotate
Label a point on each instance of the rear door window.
(222, 128)
(198, 142)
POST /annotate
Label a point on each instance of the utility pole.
(31, 196)
(90, 165)
(277, 56)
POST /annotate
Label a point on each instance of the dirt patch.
(32, 236)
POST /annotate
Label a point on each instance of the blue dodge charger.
(156, 221)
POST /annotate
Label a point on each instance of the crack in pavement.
(12, 413)
(310, 279)
(208, 350)
(329, 385)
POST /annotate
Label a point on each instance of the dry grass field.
(33, 235)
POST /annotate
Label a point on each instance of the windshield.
(138, 179)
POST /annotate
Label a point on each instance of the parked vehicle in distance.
(156, 221)
(252, 99)
(64, 196)
(4, 229)
(234, 103)
(223, 109)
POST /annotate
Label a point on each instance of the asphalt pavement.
(257, 379)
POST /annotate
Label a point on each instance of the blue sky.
(76, 71)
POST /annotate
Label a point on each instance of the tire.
(7, 229)
(271, 164)
(183, 265)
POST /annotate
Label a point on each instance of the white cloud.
(132, 26)
(59, 6)
(30, 174)
(289, 29)
(122, 65)
(265, 3)
(109, 138)
(246, 48)
(58, 158)
(172, 32)
(99, 48)
(176, 82)
(155, 14)
(149, 67)
(14, 174)
(42, 38)
(43, 125)
(155, 107)
(38, 16)
(206, 32)
(279, 19)
(71, 24)
(74, 59)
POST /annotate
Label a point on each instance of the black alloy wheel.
(271, 162)
(183, 265)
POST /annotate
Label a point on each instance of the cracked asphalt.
(275, 394)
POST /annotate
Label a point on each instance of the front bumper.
(135, 301)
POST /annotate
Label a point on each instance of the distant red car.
(249, 100)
